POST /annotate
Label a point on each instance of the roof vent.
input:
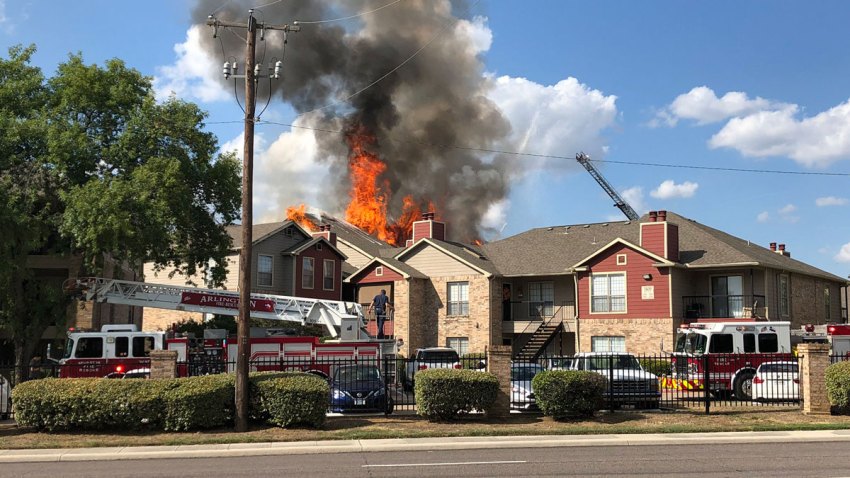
(550, 228)
(586, 226)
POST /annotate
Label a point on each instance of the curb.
(412, 444)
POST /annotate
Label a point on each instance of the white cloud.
(702, 105)
(788, 209)
(634, 197)
(193, 74)
(478, 35)
(495, 219)
(787, 213)
(551, 119)
(669, 189)
(763, 216)
(844, 254)
(830, 201)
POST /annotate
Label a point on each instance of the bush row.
(568, 393)
(179, 404)
(838, 387)
(442, 394)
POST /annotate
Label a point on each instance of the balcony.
(527, 316)
(723, 307)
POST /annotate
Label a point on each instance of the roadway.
(735, 459)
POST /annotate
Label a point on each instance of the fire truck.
(733, 349)
(118, 349)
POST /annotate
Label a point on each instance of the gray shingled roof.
(259, 232)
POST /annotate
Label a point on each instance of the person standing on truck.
(381, 305)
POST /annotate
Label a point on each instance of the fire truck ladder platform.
(332, 314)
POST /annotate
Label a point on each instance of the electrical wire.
(299, 22)
(267, 5)
(219, 8)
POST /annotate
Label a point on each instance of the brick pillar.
(814, 359)
(499, 364)
(163, 363)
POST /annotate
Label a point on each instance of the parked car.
(778, 381)
(134, 373)
(431, 357)
(522, 395)
(359, 388)
(629, 383)
(559, 363)
(5, 398)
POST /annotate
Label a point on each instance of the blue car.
(359, 388)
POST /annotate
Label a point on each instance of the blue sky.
(729, 84)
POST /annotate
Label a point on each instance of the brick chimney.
(325, 231)
(773, 246)
(781, 250)
(659, 236)
(428, 228)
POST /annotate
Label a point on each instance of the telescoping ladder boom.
(334, 315)
(630, 213)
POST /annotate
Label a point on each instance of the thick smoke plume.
(435, 100)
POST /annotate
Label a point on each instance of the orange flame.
(370, 194)
(298, 215)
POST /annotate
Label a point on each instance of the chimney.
(783, 251)
(773, 246)
(659, 236)
(325, 231)
(428, 228)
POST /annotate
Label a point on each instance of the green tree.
(91, 164)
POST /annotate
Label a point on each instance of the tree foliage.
(92, 165)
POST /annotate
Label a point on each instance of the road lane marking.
(459, 463)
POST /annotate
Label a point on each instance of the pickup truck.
(628, 382)
(423, 359)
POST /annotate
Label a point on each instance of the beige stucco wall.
(643, 336)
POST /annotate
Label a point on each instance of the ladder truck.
(619, 202)
(118, 349)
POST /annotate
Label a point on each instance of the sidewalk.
(417, 444)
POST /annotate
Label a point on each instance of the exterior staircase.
(539, 340)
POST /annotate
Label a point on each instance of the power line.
(572, 158)
(345, 18)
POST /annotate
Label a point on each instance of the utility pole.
(252, 74)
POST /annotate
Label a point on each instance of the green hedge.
(442, 394)
(290, 399)
(171, 404)
(657, 366)
(568, 393)
(838, 387)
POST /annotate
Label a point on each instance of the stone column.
(814, 359)
(163, 363)
(499, 364)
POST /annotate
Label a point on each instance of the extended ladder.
(621, 204)
(334, 315)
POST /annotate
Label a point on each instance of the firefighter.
(381, 305)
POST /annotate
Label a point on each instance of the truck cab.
(115, 348)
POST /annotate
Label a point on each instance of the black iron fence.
(723, 306)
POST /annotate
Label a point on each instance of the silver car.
(522, 396)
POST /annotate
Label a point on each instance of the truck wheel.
(744, 386)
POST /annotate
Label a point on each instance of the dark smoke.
(436, 99)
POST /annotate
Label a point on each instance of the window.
(318, 246)
(265, 266)
(142, 346)
(608, 343)
(122, 346)
(541, 299)
(749, 343)
(727, 296)
(307, 273)
(783, 296)
(328, 274)
(379, 271)
(89, 347)
(287, 232)
(621, 260)
(721, 344)
(608, 293)
(458, 298)
(768, 343)
(460, 344)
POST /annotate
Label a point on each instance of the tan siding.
(273, 246)
(435, 263)
(355, 257)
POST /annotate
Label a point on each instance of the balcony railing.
(537, 312)
(723, 306)
(372, 323)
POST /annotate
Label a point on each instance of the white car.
(5, 398)
(629, 382)
(522, 396)
(777, 381)
(135, 373)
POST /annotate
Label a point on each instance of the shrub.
(200, 402)
(657, 365)
(838, 387)
(568, 393)
(442, 394)
(474, 360)
(287, 399)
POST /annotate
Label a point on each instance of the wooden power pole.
(243, 353)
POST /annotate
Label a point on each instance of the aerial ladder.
(341, 319)
(630, 213)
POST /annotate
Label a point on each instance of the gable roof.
(301, 246)
(259, 232)
(628, 244)
(405, 270)
(466, 254)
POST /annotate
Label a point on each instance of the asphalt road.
(747, 460)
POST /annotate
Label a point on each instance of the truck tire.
(743, 386)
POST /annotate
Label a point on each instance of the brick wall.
(163, 364)
(161, 319)
(643, 336)
(814, 359)
(499, 364)
(477, 325)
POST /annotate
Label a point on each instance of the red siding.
(673, 242)
(652, 237)
(318, 292)
(636, 266)
(421, 230)
(439, 231)
(369, 277)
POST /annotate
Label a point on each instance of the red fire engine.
(118, 349)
